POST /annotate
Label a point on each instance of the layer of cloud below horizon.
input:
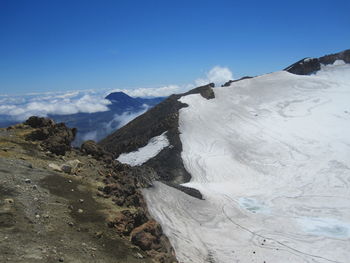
(19, 108)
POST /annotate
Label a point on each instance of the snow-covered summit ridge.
(270, 155)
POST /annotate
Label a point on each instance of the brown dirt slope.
(72, 207)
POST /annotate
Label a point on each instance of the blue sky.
(72, 45)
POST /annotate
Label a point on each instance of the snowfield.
(143, 154)
(271, 156)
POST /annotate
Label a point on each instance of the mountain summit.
(120, 100)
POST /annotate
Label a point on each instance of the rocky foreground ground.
(59, 204)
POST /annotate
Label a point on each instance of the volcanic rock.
(308, 66)
(55, 138)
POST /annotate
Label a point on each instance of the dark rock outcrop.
(92, 148)
(55, 138)
(188, 190)
(125, 221)
(308, 66)
(37, 122)
(147, 236)
(163, 117)
(228, 83)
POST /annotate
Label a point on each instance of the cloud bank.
(153, 92)
(20, 108)
(218, 75)
(119, 120)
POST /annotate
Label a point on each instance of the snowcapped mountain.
(268, 159)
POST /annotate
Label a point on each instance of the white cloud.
(218, 75)
(153, 92)
(120, 120)
(22, 107)
(104, 129)
(19, 108)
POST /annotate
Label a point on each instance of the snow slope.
(271, 155)
(143, 154)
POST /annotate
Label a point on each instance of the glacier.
(271, 156)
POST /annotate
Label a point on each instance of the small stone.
(36, 199)
(70, 181)
(71, 224)
(71, 166)
(46, 216)
(9, 201)
(72, 190)
(66, 168)
(28, 181)
(61, 259)
(35, 187)
(98, 234)
(55, 167)
(138, 255)
(81, 200)
(37, 216)
(80, 211)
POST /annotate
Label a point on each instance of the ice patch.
(143, 154)
(328, 227)
(253, 205)
(339, 62)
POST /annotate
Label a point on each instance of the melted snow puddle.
(143, 154)
(253, 205)
(328, 227)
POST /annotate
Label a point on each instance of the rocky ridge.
(163, 117)
(308, 66)
(73, 205)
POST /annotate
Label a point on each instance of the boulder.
(37, 122)
(147, 236)
(71, 167)
(125, 221)
(92, 148)
(55, 138)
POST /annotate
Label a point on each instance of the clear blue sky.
(66, 45)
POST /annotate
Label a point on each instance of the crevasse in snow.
(271, 156)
